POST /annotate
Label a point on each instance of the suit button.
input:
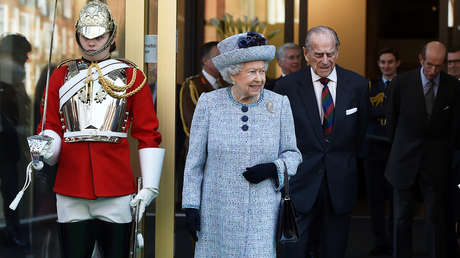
(244, 118)
(244, 108)
(245, 127)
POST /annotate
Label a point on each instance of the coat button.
(244, 118)
(244, 108)
(245, 127)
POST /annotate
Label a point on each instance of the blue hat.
(242, 48)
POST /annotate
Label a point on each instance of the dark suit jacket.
(336, 157)
(420, 144)
(270, 84)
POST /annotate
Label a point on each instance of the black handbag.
(287, 231)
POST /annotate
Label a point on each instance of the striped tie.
(328, 108)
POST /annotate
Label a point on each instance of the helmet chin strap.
(106, 45)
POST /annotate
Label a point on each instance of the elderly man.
(288, 57)
(421, 116)
(330, 108)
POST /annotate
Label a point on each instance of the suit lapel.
(308, 98)
(441, 96)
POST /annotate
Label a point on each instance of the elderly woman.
(242, 141)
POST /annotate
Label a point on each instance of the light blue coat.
(238, 219)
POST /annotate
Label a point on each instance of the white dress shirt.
(210, 79)
(318, 87)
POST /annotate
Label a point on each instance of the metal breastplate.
(92, 114)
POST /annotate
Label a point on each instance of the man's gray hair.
(234, 70)
(321, 30)
(280, 52)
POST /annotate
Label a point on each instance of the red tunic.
(99, 169)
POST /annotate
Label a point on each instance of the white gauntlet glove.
(151, 161)
(51, 152)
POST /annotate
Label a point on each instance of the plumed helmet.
(95, 19)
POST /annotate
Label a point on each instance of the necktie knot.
(429, 88)
(429, 97)
(324, 81)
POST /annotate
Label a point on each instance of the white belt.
(93, 135)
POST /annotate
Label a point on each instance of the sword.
(45, 105)
(136, 235)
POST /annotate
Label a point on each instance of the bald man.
(421, 117)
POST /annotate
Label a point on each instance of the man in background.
(378, 149)
(207, 80)
(288, 57)
(453, 62)
(422, 125)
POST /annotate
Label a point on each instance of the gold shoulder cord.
(111, 88)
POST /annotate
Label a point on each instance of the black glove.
(193, 222)
(258, 173)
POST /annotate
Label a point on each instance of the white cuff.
(51, 155)
(151, 161)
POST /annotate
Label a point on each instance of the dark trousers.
(9, 188)
(379, 190)
(404, 204)
(78, 239)
(323, 233)
(453, 208)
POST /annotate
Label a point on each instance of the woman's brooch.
(270, 107)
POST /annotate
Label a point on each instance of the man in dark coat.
(421, 116)
(330, 108)
(207, 80)
(378, 146)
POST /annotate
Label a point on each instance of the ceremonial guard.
(91, 104)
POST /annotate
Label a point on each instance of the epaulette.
(66, 61)
(196, 76)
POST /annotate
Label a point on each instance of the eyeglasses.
(453, 61)
(430, 66)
